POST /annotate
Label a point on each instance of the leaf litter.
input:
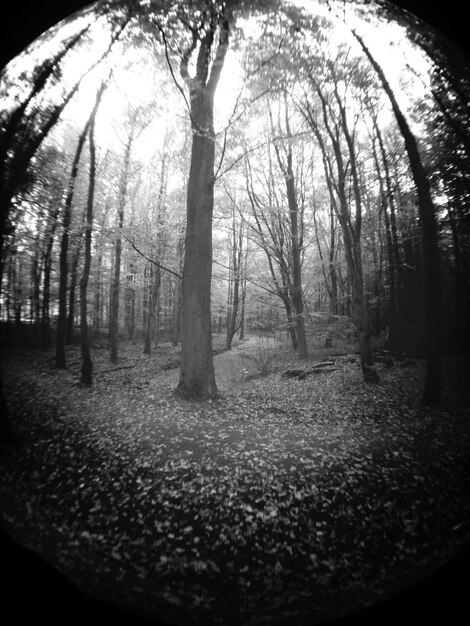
(283, 497)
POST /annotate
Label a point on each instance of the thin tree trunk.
(46, 289)
(115, 287)
(87, 364)
(151, 317)
(97, 297)
(243, 296)
(72, 289)
(433, 288)
(64, 248)
(295, 234)
(351, 228)
(234, 284)
(297, 296)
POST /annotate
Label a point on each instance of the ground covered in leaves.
(283, 500)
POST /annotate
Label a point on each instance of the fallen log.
(318, 368)
(387, 360)
(322, 364)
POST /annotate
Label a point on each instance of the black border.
(32, 590)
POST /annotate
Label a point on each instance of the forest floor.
(282, 501)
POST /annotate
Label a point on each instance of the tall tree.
(210, 39)
(427, 213)
(87, 365)
(135, 127)
(64, 247)
(337, 129)
(285, 162)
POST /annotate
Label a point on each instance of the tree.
(87, 365)
(295, 224)
(336, 125)
(235, 280)
(197, 380)
(64, 247)
(433, 288)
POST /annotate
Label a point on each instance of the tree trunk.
(297, 295)
(243, 296)
(433, 289)
(197, 378)
(351, 228)
(236, 244)
(115, 287)
(64, 249)
(87, 364)
(46, 290)
(97, 296)
(36, 284)
(295, 283)
(72, 289)
(152, 301)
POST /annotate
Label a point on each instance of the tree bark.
(72, 289)
(115, 287)
(197, 379)
(433, 289)
(351, 227)
(64, 250)
(176, 324)
(236, 243)
(152, 302)
(87, 364)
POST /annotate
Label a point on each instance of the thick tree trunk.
(197, 378)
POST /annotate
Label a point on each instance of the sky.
(137, 80)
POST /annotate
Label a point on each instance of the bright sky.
(136, 80)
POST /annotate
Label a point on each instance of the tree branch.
(144, 256)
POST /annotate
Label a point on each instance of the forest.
(235, 291)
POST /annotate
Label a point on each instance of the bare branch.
(170, 67)
(144, 256)
(221, 51)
